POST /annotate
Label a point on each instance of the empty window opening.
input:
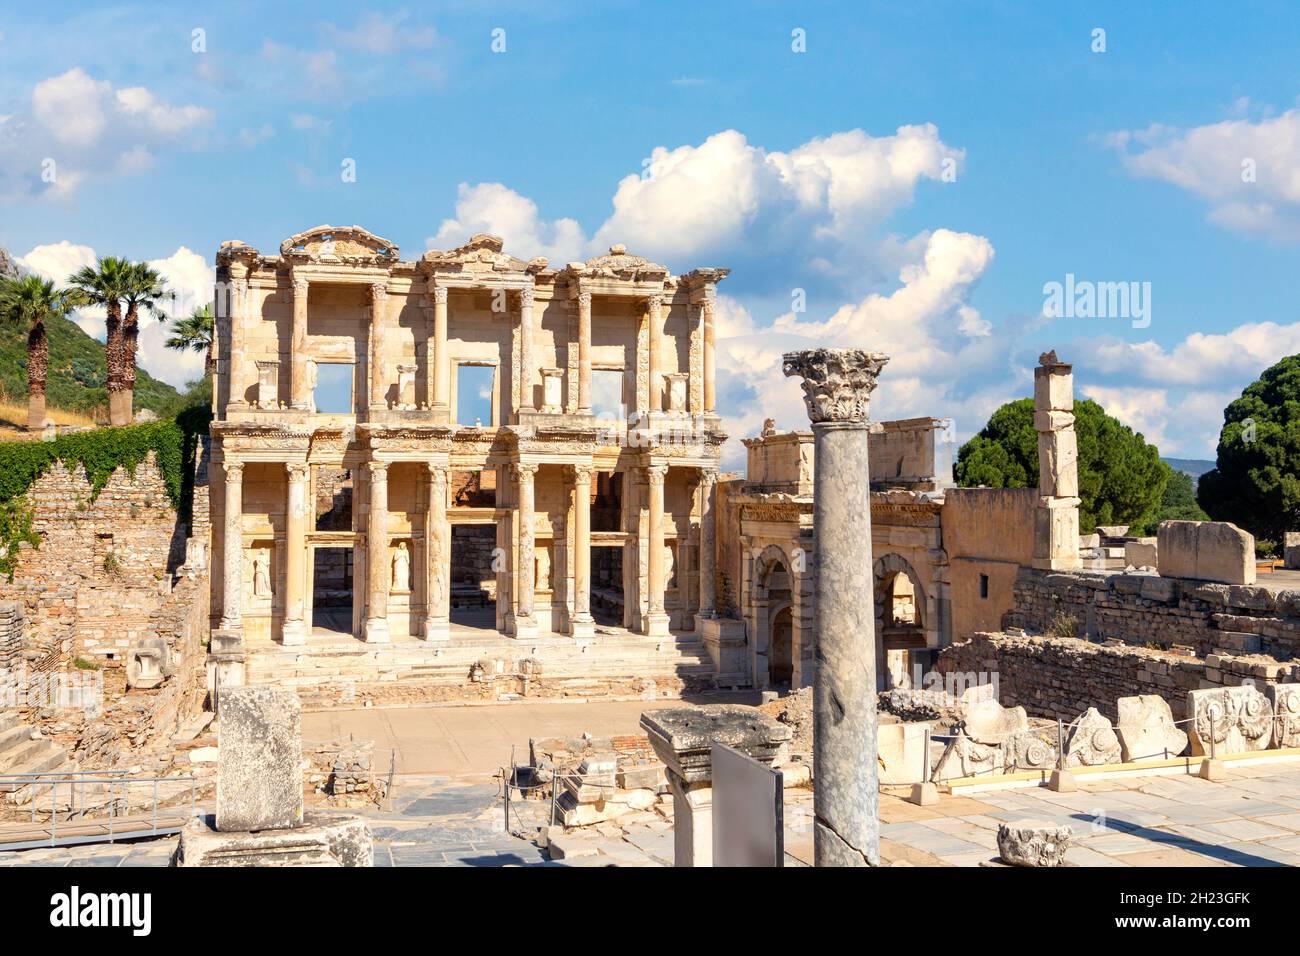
(607, 399)
(474, 390)
(334, 387)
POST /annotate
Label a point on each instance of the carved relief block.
(1286, 714)
(1234, 719)
(1092, 741)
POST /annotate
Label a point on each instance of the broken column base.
(1212, 769)
(692, 822)
(1062, 781)
(924, 794)
(320, 841)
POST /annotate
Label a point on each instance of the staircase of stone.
(324, 665)
(20, 752)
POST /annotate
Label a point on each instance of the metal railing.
(100, 802)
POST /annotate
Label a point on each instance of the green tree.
(145, 289)
(1121, 477)
(106, 283)
(194, 333)
(28, 303)
(1256, 481)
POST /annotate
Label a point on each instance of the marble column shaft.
(582, 544)
(441, 365)
(654, 318)
(526, 572)
(710, 368)
(837, 384)
(378, 571)
(584, 353)
(293, 625)
(526, 360)
(232, 548)
(437, 557)
(378, 343)
(237, 310)
(708, 546)
(298, 397)
(655, 475)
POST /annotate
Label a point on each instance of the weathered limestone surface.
(319, 841)
(259, 775)
(1143, 553)
(964, 757)
(904, 751)
(682, 737)
(1285, 699)
(1030, 751)
(1229, 720)
(1033, 843)
(1147, 730)
(1206, 551)
(837, 385)
(1091, 741)
(988, 722)
(1056, 535)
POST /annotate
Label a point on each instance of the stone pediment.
(619, 264)
(482, 254)
(339, 244)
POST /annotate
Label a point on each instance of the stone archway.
(902, 619)
(780, 659)
(769, 591)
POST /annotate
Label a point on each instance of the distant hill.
(77, 368)
(1189, 466)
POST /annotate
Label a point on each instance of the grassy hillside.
(77, 373)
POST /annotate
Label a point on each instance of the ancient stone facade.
(558, 471)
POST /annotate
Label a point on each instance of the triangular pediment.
(338, 244)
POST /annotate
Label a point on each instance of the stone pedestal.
(683, 738)
(225, 664)
(259, 771)
(320, 841)
(837, 385)
(725, 640)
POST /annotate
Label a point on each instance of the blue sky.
(698, 136)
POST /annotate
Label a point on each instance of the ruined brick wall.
(1060, 678)
(11, 645)
(1143, 609)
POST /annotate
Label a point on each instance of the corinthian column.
(710, 369)
(526, 348)
(708, 548)
(441, 368)
(526, 566)
(232, 549)
(584, 625)
(656, 617)
(378, 343)
(293, 628)
(584, 353)
(377, 569)
(437, 559)
(298, 397)
(236, 310)
(837, 385)
(654, 308)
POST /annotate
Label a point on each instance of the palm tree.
(106, 283)
(29, 302)
(194, 333)
(145, 288)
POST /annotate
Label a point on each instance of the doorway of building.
(473, 579)
(781, 649)
(331, 590)
(607, 585)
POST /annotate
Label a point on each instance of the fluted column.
(441, 365)
(378, 572)
(293, 627)
(237, 309)
(232, 549)
(378, 344)
(656, 617)
(526, 567)
(654, 310)
(584, 353)
(837, 385)
(708, 548)
(526, 361)
(710, 368)
(437, 558)
(298, 392)
(584, 624)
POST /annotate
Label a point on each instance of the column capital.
(654, 302)
(437, 470)
(297, 470)
(526, 296)
(523, 471)
(656, 474)
(379, 290)
(440, 294)
(582, 473)
(300, 285)
(837, 383)
(378, 470)
(584, 300)
(233, 469)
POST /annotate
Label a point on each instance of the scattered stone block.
(988, 722)
(1062, 781)
(1033, 843)
(647, 777)
(924, 794)
(964, 757)
(1091, 741)
(1029, 751)
(1147, 730)
(903, 752)
(1206, 551)
(259, 774)
(1142, 553)
(1229, 720)
(682, 737)
(148, 663)
(568, 846)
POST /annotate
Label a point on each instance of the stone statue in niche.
(543, 568)
(402, 568)
(670, 567)
(261, 575)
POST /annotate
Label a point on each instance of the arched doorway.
(781, 649)
(900, 620)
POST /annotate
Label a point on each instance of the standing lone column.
(437, 562)
(708, 552)
(298, 397)
(378, 342)
(656, 617)
(837, 385)
(584, 353)
(440, 365)
(293, 629)
(1056, 519)
(232, 549)
(584, 625)
(526, 568)
(377, 569)
(526, 348)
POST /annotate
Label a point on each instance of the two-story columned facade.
(401, 442)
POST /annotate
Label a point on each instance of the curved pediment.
(338, 244)
(483, 253)
(619, 264)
